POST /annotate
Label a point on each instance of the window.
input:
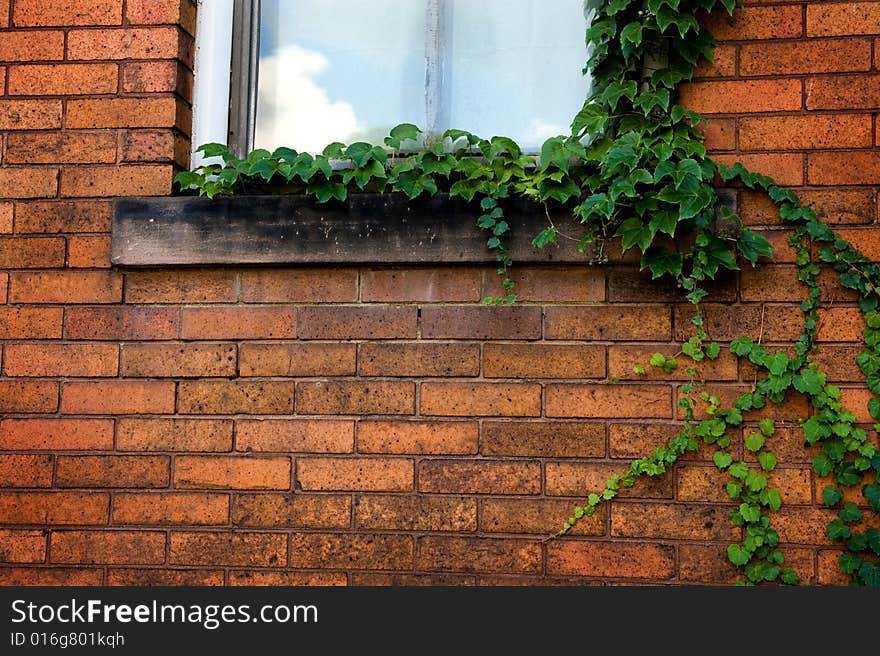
(305, 73)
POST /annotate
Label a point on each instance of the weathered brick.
(28, 396)
(865, 239)
(707, 563)
(156, 12)
(6, 212)
(838, 361)
(231, 472)
(696, 483)
(161, 508)
(178, 360)
(129, 322)
(235, 397)
(832, 19)
(417, 437)
(351, 551)
(136, 577)
(295, 359)
(30, 322)
(238, 322)
(720, 134)
(60, 147)
(577, 479)
(62, 216)
(238, 549)
(32, 45)
(671, 521)
(631, 285)
(119, 180)
(723, 63)
(360, 397)
(18, 546)
(358, 322)
(107, 547)
(415, 513)
(126, 43)
(478, 554)
(154, 146)
(92, 252)
(841, 324)
(641, 439)
(481, 399)
(620, 560)
(276, 578)
(62, 79)
(123, 113)
(786, 168)
(803, 525)
(472, 322)
(60, 434)
(842, 92)
(855, 399)
(363, 474)
(419, 359)
(54, 576)
(805, 56)
(832, 169)
(805, 132)
(311, 511)
(66, 287)
(118, 397)
(622, 359)
(540, 516)
(544, 439)
(294, 435)
(53, 359)
(156, 77)
(30, 114)
(741, 96)
(299, 286)
(381, 579)
(753, 23)
(603, 322)
(543, 361)
(112, 471)
(480, 477)
(441, 284)
(612, 401)
(192, 435)
(828, 570)
(25, 470)
(54, 508)
(29, 182)
(727, 322)
(557, 284)
(67, 12)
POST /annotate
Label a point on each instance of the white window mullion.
(434, 14)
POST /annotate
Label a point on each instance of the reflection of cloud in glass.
(294, 110)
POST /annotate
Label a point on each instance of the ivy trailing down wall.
(634, 169)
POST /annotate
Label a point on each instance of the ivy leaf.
(753, 246)
(734, 490)
(712, 350)
(872, 494)
(692, 195)
(773, 499)
(554, 153)
(767, 426)
(767, 460)
(831, 495)
(589, 120)
(809, 381)
(634, 233)
(869, 573)
(737, 555)
(722, 460)
(837, 530)
(872, 540)
(874, 407)
(849, 562)
(545, 237)
(754, 441)
(739, 470)
(815, 430)
(823, 465)
(631, 33)
(662, 262)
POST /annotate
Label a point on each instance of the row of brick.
(83, 147)
(792, 21)
(792, 132)
(38, 13)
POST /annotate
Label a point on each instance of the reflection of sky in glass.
(346, 70)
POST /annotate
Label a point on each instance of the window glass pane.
(338, 70)
(513, 67)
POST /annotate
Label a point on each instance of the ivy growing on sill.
(635, 168)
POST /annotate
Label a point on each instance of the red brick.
(640, 439)
(373, 579)
(67, 12)
(239, 549)
(4, 286)
(62, 216)
(4, 14)
(154, 146)
(794, 406)
(118, 397)
(809, 56)
(25, 470)
(28, 182)
(122, 113)
(783, 22)
(121, 323)
(180, 286)
(473, 322)
(603, 322)
(706, 564)
(841, 324)
(55, 576)
(771, 283)
(364, 474)
(107, 547)
(419, 359)
(60, 147)
(611, 559)
(276, 578)
(62, 79)
(6, 214)
(112, 471)
(786, 168)
(155, 12)
(294, 435)
(358, 322)
(727, 322)
(481, 399)
(695, 483)
(540, 516)
(238, 322)
(843, 92)
(54, 508)
(32, 45)
(543, 439)
(612, 401)
(299, 286)
(415, 513)
(630, 285)
(88, 252)
(30, 323)
(130, 576)
(828, 568)
(427, 285)
(360, 397)
(832, 169)
(310, 511)
(831, 19)
(577, 479)
(231, 472)
(417, 437)
(235, 397)
(478, 554)
(65, 287)
(839, 362)
(155, 77)
(22, 546)
(30, 114)
(120, 180)
(351, 551)
(543, 361)
(51, 359)
(671, 521)
(803, 525)
(296, 359)
(480, 477)
(174, 435)
(622, 359)
(127, 43)
(28, 396)
(161, 508)
(856, 401)
(31, 252)
(741, 96)
(806, 132)
(720, 134)
(62, 434)
(558, 284)
(178, 360)
(723, 63)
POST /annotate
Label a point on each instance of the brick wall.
(377, 425)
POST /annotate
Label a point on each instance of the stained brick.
(602, 322)
(806, 56)
(29, 182)
(54, 508)
(611, 559)
(299, 286)
(741, 96)
(786, 168)
(129, 43)
(577, 479)
(784, 22)
(231, 472)
(357, 322)
(28, 396)
(640, 439)
(62, 79)
(842, 92)
(363, 474)
(52, 434)
(539, 516)
(22, 546)
(112, 471)
(30, 114)
(161, 508)
(472, 322)
(723, 63)
(671, 521)
(832, 169)
(155, 12)
(191, 435)
(121, 397)
(544, 439)
(480, 477)
(584, 400)
(697, 484)
(62, 216)
(25, 470)
(67, 287)
(30, 322)
(61, 147)
(415, 513)
(178, 360)
(295, 435)
(805, 132)
(417, 437)
(123, 113)
(32, 45)
(543, 361)
(427, 285)
(119, 180)
(52, 359)
(294, 359)
(419, 359)
(361, 397)
(481, 399)
(351, 551)
(727, 322)
(239, 322)
(155, 77)
(129, 322)
(107, 547)
(803, 525)
(237, 549)
(132, 576)
(67, 12)
(299, 511)
(557, 284)
(831, 19)
(235, 397)
(88, 252)
(55, 576)
(478, 554)
(154, 146)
